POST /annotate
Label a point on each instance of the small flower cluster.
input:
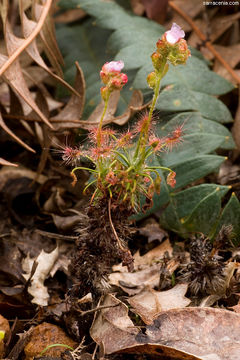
(121, 169)
(171, 48)
(112, 78)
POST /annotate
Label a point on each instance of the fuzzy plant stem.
(99, 137)
(143, 138)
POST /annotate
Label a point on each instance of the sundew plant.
(121, 171)
(123, 179)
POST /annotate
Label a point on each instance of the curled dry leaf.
(232, 56)
(69, 116)
(152, 230)
(150, 258)
(147, 270)
(11, 69)
(135, 104)
(150, 303)
(44, 335)
(192, 8)
(205, 332)
(7, 163)
(133, 283)
(112, 326)
(45, 264)
(7, 173)
(160, 352)
(219, 24)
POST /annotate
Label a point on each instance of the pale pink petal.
(114, 66)
(175, 34)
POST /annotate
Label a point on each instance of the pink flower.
(113, 66)
(175, 34)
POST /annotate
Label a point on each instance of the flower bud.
(117, 82)
(151, 79)
(156, 60)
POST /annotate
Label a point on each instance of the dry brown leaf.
(73, 110)
(113, 327)
(27, 28)
(149, 258)
(7, 173)
(133, 283)
(47, 334)
(13, 75)
(65, 223)
(48, 37)
(211, 334)
(156, 10)
(232, 56)
(95, 117)
(150, 303)
(7, 163)
(219, 24)
(13, 135)
(159, 352)
(45, 262)
(135, 104)
(70, 16)
(192, 8)
(152, 230)
(137, 7)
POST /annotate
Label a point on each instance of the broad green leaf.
(175, 98)
(185, 201)
(205, 214)
(194, 123)
(193, 145)
(196, 168)
(195, 75)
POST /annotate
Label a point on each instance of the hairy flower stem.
(143, 138)
(99, 135)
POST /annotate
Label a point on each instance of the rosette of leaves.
(189, 95)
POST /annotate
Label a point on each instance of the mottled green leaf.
(205, 214)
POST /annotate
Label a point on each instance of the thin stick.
(113, 228)
(82, 313)
(208, 44)
(35, 32)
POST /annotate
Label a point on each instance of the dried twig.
(208, 44)
(101, 307)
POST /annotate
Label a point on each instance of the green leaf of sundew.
(231, 216)
(205, 214)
